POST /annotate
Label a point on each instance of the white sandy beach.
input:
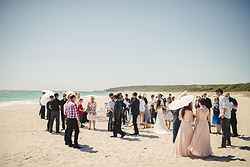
(24, 142)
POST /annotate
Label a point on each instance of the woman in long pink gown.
(185, 132)
(200, 145)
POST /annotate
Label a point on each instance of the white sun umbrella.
(181, 102)
(45, 98)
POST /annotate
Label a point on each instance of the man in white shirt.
(225, 114)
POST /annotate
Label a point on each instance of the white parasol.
(45, 98)
(181, 102)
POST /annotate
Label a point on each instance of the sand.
(24, 142)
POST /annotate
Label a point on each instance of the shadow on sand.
(86, 148)
(247, 148)
(149, 136)
(131, 139)
(246, 138)
(228, 158)
(101, 130)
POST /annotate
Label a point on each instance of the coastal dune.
(25, 142)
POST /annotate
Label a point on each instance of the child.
(216, 114)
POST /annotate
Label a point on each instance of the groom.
(135, 105)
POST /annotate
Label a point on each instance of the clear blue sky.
(80, 44)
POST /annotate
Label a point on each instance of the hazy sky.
(80, 44)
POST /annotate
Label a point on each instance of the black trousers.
(135, 124)
(153, 116)
(42, 112)
(124, 116)
(176, 126)
(49, 120)
(72, 125)
(55, 116)
(226, 136)
(63, 119)
(118, 127)
(233, 122)
(110, 123)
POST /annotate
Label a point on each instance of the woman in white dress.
(160, 125)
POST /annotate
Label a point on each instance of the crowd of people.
(187, 118)
(73, 115)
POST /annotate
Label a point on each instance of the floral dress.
(91, 109)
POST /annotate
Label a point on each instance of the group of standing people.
(191, 121)
(119, 110)
(195, 127)
(73, 115)
(125, 110)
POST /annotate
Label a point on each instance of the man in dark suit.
(49, 110)
(118, 114)
(55, 113)
(135, 105)
(63, 101)
(208, 104)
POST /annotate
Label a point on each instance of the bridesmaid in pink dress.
(186, 131)
(200, 145)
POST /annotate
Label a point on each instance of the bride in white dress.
(160, 124)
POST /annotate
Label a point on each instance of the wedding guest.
(152, 103)
(118, 113)
(49, 110)
(147, 115)
(142, 109)
(153, 113)
(110, 111)
(63, 101)
(169, 98)
(208, 104)
(200, 145)
(168, 114)
(55, 113)
(159, 104)
(225, 115)
(186, 131)
(70, 110)
(196, 102)
(216, 115)
(91, 110)
(127, 109)
(233, 120)
(135, 110)
(42, 109)
(80, 111)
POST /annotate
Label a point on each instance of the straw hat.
(181, 102)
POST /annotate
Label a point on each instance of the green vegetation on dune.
(191, 88)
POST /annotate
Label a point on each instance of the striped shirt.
(70, 110)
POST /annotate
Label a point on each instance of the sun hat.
(181, 102)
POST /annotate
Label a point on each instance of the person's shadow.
(149, 136)
(87, 148)
(246, 138)
(228, 158)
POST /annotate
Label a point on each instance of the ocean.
(10, 97)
